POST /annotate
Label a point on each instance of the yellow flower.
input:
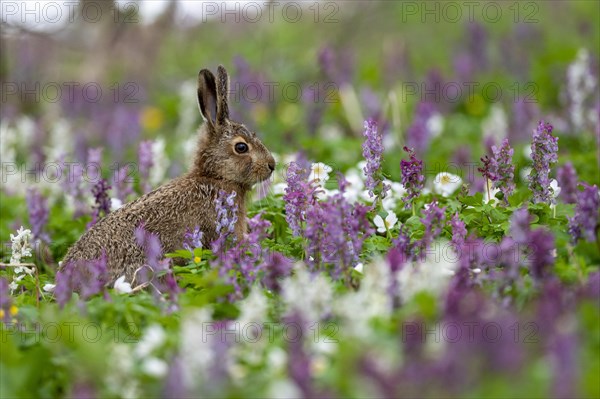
(1, 314)
(13, 310)
(152, 118)
(476, 105)
(197, 259)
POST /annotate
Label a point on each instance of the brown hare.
(229, 157)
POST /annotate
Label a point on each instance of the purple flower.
(145, 163)
(335, 231)
(567, 181)
(486, 170)
(94, 159)
(5, 299)
(585, 222)
(337, 67)
(418, 134)
(372, 151)
(88, 277)
(156, 272)
(246, 262)
(276, 267)
(459, 231)
(525, 111)
(299, 194)
(544, 152)
(519, 225)
(37, 207)
(227, 217)
(541, 244)
(412, 176)
(122, 183)
(434, 222)
(73, 186)
(503, 169)
(193, 239)
(102, 205)
(299, 360)
(478, 44)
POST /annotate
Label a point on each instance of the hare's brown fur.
(188, 201)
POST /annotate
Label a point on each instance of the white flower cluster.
(21, 248)
(581, 85)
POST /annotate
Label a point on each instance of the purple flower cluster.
(145, 163)
(544, 152)
(503, 170)
(538, 246)
(459, 231)
(335, 231)
(418, 134)
(37, 207)
(372, 151)
(74, 186)
(585, 222)
(299, 195)
(102, 201)
(87, 277)
(434, 222)
(412, 176)
(566, 177)
(336, 66)
(247, 262)
(227, 217)
(193, 239)
(486, 170)
(5, 300)
(122, 183)
(156, 272)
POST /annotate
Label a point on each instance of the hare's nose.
(272, 165)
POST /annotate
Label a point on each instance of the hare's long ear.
(207, 96)
(222, 95)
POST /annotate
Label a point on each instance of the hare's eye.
(241, 148)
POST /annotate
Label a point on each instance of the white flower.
(279, 188)
(435, 124)
(160, 163)
(492, 197)
(115, 204)
(524, 173)
(496, 124)
(153, 337)
(20, 247)
(49, 287)
(253, 309)
(154, 367)
(324, 193)
(198, 338)
(359, 268)
(13, 286)
(581, 86)
(355, 185)
(396, 192)
(555, 188)
(387, 224)
(24, 269)
(431, 275)
(122, 286)
(446, 183)
(308, 294)
(371, 300)
(319, 172)
(397, 189)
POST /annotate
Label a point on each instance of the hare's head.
(227, 150)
